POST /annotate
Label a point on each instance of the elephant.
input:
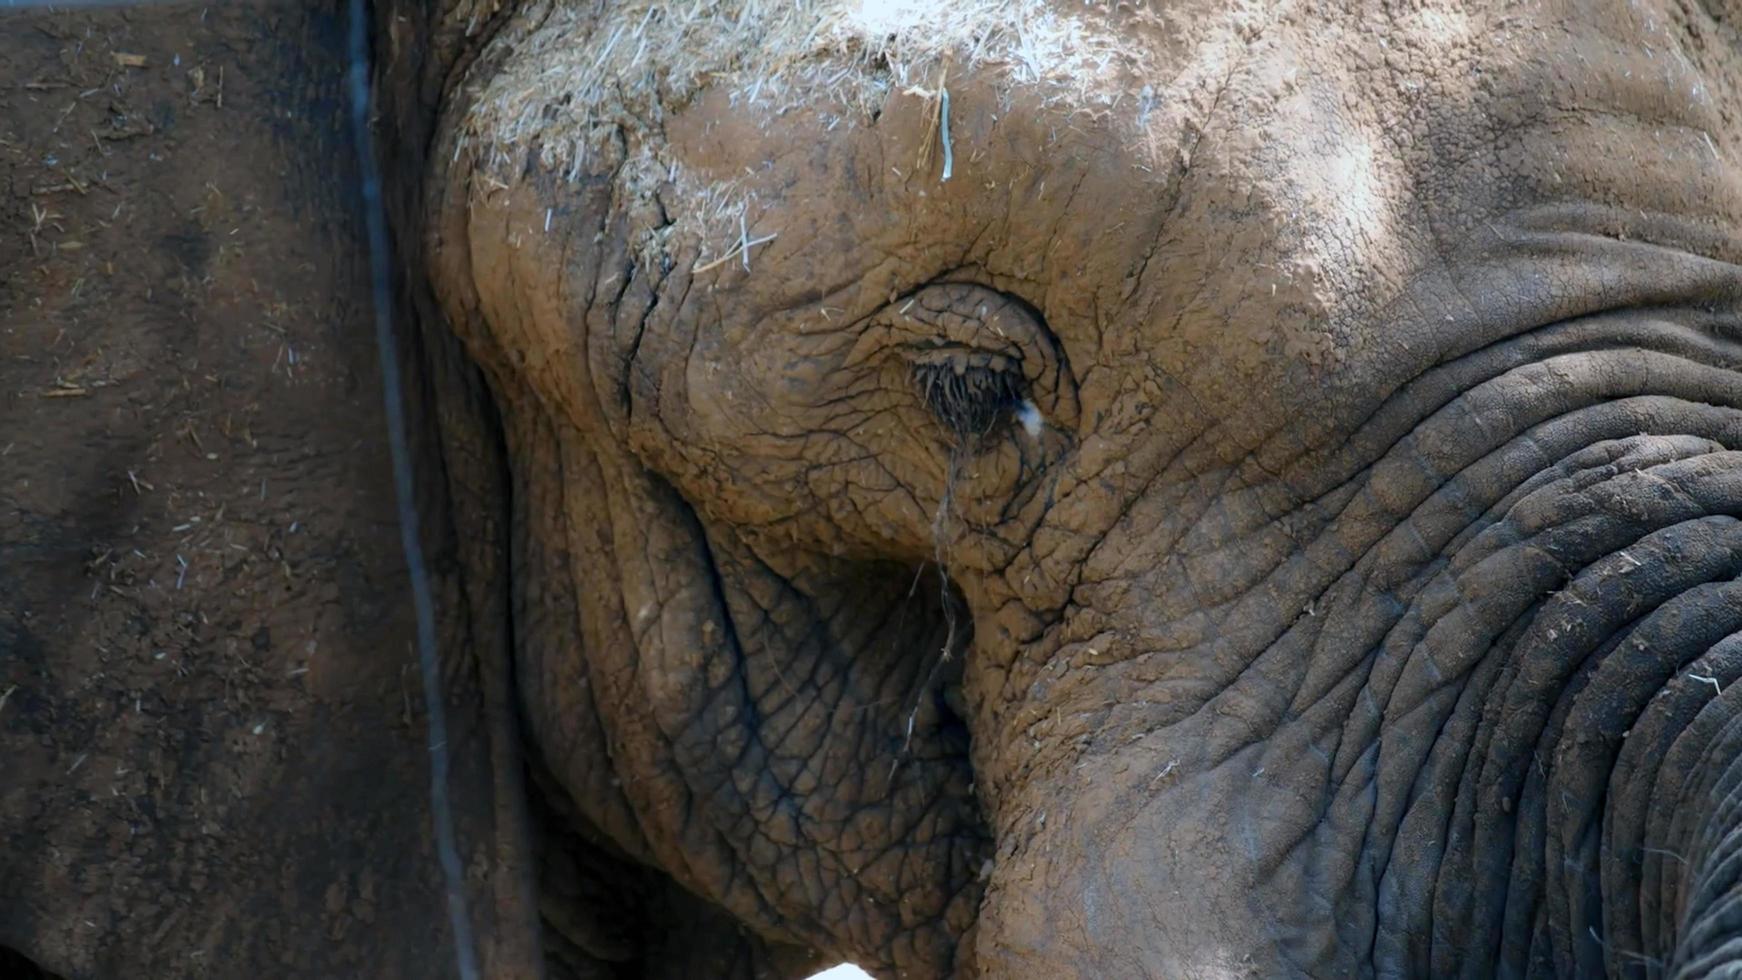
(1026, 488)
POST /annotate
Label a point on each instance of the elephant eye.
(972, 394)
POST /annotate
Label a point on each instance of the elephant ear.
(774, 735)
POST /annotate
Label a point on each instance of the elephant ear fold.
(775, 739)
(459, 466)
(461, 506)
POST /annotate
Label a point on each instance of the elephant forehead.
(1217, 196)
(1242, 202)
(746, 114)
(576, 65)
(1069, 124)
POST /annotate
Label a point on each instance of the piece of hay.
(944, 132)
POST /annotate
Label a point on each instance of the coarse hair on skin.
(579, 66)
(587, 85)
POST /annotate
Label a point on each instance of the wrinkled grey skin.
(1363, 603)
(1280, 520)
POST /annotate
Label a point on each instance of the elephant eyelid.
(971, 400)
(980, 361)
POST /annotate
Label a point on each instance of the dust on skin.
(1231, 209)
(712, 129)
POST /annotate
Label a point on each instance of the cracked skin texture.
(1364, 603)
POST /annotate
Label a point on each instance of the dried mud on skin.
(204, 635)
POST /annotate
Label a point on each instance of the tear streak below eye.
(970, 400)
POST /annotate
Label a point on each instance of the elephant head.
(1026, 489)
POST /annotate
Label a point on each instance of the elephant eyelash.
(970, 400)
